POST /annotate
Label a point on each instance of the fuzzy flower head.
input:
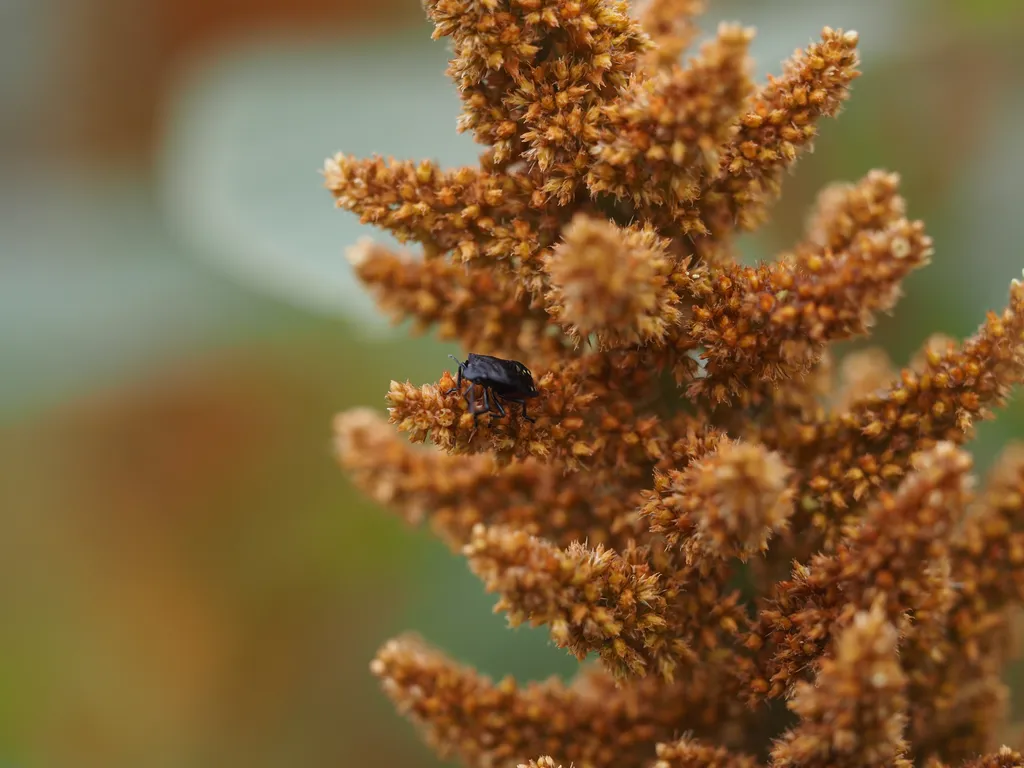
(762, 555)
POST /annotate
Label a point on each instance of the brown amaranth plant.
(773, 560)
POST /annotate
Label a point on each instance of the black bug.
(507, 380)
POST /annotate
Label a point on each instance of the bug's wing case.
(491, 368)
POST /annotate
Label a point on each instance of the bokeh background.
(185, 577)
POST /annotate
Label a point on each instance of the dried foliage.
(772, 560)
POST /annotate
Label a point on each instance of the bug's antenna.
(453, 357)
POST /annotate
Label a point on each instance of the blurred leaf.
(249, 128)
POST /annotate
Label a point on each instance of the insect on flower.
(507, 380)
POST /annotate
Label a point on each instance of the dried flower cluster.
(771, 560)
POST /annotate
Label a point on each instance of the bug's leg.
(498, 405)
(458, 377)
(470, 396)
(475, 407)
(522, 402)
(458, 381)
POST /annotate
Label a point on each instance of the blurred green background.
(186, 579)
